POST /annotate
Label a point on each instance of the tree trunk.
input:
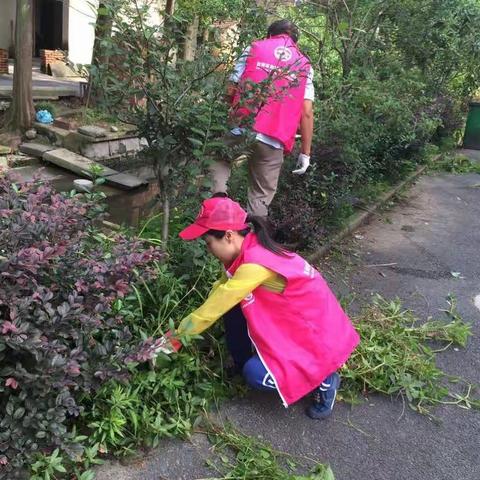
(166, 216)
(21, 113)
(103, 29)
(190, 45)
(170, 7)
(161, 172)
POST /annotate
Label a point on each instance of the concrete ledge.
(61, 157)
(35, 149)
(359, 218)
(110, 136)
(72, 161)
(124, 180)
(58, 133)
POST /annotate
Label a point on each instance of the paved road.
(434, 231)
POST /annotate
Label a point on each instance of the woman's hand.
(166, 344)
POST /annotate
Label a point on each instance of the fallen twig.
(381, 265)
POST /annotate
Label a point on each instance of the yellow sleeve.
(224, 297)
(219, 282)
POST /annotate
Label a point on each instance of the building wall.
(7, 14)
(156, 7)
(81, 30)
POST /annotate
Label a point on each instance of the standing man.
(278, 67)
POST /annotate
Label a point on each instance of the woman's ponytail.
(262, 230)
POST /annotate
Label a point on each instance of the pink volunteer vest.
(279, 116)
(301, 335)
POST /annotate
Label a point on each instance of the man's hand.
(303, 162)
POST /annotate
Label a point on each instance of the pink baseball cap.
(219, 213)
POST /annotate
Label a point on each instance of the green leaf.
(264, 453)
(87, 475)
(329, 474)
(19, 412)
(196, 141)
(197, 130)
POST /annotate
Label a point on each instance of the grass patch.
(397, 356)
(370, 193)
(166, 402)
(241, 457)
(96, 116)
(452, 162)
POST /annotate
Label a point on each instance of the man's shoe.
(324, 398)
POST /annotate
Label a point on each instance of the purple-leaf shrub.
(59, 337)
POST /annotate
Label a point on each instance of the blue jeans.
(241, 349)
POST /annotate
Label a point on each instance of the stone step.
(35, 149)
(93, 131)
(73, 161)
(82, 166)
(124, 180)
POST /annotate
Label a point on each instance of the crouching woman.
(284, 327)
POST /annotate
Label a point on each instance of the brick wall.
(50, 56)
(3, 61)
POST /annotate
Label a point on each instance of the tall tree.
(21, 113)
(103, 30)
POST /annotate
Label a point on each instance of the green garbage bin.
(471, 138)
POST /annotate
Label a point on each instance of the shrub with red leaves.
(59, 336)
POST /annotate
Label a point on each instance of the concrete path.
(434, 231)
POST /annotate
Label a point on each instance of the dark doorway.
(50, 20)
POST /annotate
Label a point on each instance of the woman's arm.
(225, 296)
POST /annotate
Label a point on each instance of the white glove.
(166, 345)
(303, 162)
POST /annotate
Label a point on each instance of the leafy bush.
(60, 337)
(168, 400)
(382, 96)
(370, 136)
(165, 402)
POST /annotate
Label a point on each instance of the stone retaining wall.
(111, 148)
